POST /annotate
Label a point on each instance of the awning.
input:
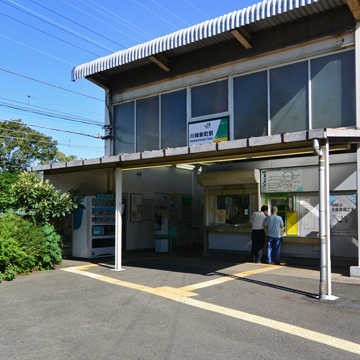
(283, 145)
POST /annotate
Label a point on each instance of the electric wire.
(48, 114)
(42, 52)
(198, 9)
(164, 8)
(53, 36)
(49, 101)
(49, 84)
(39, 134)
(150, 36)
(156, 14)
(103, 22)
(57, 25)
(49, 128)
(74, 22)
(57, 121)
(58, 112)
(54, 142)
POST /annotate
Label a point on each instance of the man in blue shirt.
(273, 224)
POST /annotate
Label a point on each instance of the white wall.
(168, 180)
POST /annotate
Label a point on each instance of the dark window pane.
(250, 105)
(289, 98)
(209, 99)
(124, 128)
(333, 90)
(173, 119)
(147, 124)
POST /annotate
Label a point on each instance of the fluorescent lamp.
(185, 167)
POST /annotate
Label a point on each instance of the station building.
(262, 105)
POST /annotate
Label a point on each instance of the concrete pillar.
(118, 218)
(355, 270)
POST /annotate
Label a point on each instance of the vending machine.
(94, 227)
(162, 231)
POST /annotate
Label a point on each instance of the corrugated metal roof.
(259, 16)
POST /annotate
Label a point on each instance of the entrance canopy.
(283, 145)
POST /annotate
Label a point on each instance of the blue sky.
(44, 40)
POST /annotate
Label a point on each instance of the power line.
(94, 17)
(164, 8)
(57, 25)
(53, 36)
(59, 112)
(42, 52)
(48, 114)
(49, 101)
(74, 22)
(156, 14)
(49, 128)
(198, 9)
(48, 142)
(55, 86)
(119, 17)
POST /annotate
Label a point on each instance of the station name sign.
(209, 131)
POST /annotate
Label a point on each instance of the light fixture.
(185, 167)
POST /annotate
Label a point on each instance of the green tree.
(39, 202)
(7, 179)
(22, 146)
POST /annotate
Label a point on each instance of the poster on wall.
(174, 207)
(281, 180)
(343, 216)
(209, 131)
(136, 207)
(186, 207)
(161, 202)
(148, 210)
(309, 216)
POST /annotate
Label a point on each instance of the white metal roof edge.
(262, 10)
(350, 135)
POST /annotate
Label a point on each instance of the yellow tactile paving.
(183, 295)
(277, 325)
(228, 278)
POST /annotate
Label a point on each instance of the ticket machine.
(162, 231)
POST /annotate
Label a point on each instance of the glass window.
(289, 98)
(209, 99)
(333, 90)
(173, 119)
(235, 208)
(147, 124)
(250, 105)
(124, 128)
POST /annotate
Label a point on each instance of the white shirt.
(257, 220)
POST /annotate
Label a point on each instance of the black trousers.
(258, 239)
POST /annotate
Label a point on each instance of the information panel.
(209, 131)
(281, 180)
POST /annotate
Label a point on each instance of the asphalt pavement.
(178, 307)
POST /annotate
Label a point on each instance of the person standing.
(273, 224)
(258, 233)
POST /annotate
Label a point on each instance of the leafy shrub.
(25, 247)
(40, 202)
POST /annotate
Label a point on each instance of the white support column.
(322, 230)
(206, 218)
(355, 270)
(358, 204)
(357, 73)
(324, 233)
(328, 295)
(118, 218)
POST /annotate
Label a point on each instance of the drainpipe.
(322, 217)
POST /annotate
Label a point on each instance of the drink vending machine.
(162, 231)
(94, 227)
